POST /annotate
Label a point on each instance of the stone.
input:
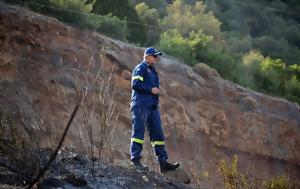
(126, 75)
(75, 181)
(179, 175)
(205, 71)
(191, 74)
(249, 103)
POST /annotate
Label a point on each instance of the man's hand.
(155, 90)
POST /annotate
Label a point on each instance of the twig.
(194, 177)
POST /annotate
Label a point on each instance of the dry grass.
(98, 106)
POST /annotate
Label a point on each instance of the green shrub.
(108, 25)
(35, 5)
(187, 18)
(294, 70)
(75, 12)
(224, 62)
(123, 10)
(282, 182)
(271, 64)
(292, 89)
(247, 73)
(71, 11)
(113, 27)
(173, 43)
(273, 75)
(151, 18)
(232, 178)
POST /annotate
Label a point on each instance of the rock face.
(44, 63)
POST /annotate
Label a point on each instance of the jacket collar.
(147, 64)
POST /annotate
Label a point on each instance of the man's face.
(151, 59)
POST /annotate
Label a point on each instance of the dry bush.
(98, 106)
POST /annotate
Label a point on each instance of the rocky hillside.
(72, 170)
(45, 64)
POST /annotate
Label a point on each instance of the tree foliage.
(249, 70)
(159, 5)
(74, 5)
(270, 26)
(123, 10)
(187, 18)
(150, 17)
(279, 79)
(113, 27)
(172, 42)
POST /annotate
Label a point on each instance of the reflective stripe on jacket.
(144, 78)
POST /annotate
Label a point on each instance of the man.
(145, 112)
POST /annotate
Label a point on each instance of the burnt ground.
(70, 171)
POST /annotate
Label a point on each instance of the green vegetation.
(71, 17)
(253, 43)
(172, 42)
(80, 13)
(122, 9)
(281, 182)
(234, 179)
(150, 17)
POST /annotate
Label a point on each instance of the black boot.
(136, 163)
(166, 166)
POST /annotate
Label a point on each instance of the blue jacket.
(144, 78)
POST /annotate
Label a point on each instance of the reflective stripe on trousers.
(147, 118)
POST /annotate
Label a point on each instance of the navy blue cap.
(152, 51)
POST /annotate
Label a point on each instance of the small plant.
(98, 106)
(282, 182)
(232, 178)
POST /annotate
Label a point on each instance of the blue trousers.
(147, 118)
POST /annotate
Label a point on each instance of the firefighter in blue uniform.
(145, 112)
